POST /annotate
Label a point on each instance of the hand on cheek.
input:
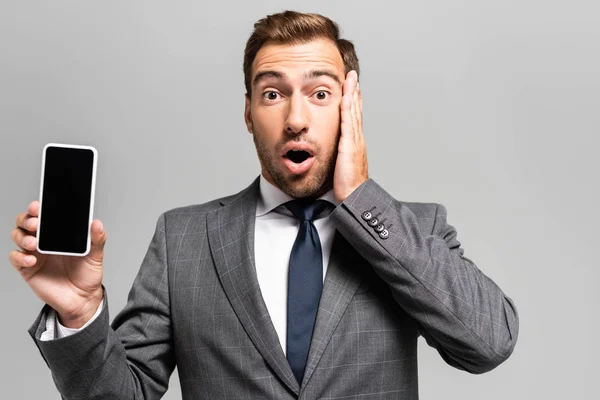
(351, 168)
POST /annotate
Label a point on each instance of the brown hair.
(291, 27)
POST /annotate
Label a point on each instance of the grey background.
(488, 107)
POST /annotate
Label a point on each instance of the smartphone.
(67, 193)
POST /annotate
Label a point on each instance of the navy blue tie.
(305, 283)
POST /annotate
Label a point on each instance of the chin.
(301, 186)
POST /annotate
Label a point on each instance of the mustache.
(298, 139)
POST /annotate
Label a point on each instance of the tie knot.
(306, 210)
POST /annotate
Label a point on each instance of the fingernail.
(101, 227)
(29, 260)
(27, 242)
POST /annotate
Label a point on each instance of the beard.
(318, 180)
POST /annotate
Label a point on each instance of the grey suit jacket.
(196, 304)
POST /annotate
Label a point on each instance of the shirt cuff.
(55, 330)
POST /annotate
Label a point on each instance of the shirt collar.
(272, 197)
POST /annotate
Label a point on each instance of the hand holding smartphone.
(60, 248)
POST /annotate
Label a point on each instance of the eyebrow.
(312, 74)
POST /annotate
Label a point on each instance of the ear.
(248, 114)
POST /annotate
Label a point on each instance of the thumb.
(98, 236)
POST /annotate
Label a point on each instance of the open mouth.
(298, 161)
(298, 156)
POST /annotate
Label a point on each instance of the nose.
(298, 118)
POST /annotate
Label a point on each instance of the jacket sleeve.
(461, 312)
(133, 358)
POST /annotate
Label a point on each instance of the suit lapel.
(341, 281)
(231, 238)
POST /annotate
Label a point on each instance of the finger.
(34, 208)
(348, 111)
(360, 104)
(358, 100)
(31, 224)
(358, 108)
(21, 260)
(356, 113)
(354, 80)
(23, 239)
(27, 222)
(346, 87)
(98, 239)
(346, 116)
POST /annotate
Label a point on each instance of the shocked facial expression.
(293, 114)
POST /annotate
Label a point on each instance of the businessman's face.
(294, 114)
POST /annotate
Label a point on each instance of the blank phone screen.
(66, 196)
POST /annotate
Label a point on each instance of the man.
(313, 282)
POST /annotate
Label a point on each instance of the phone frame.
(91, 211)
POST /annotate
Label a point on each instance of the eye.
(270, 95)
(322, 95)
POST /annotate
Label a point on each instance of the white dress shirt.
(275, 231)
